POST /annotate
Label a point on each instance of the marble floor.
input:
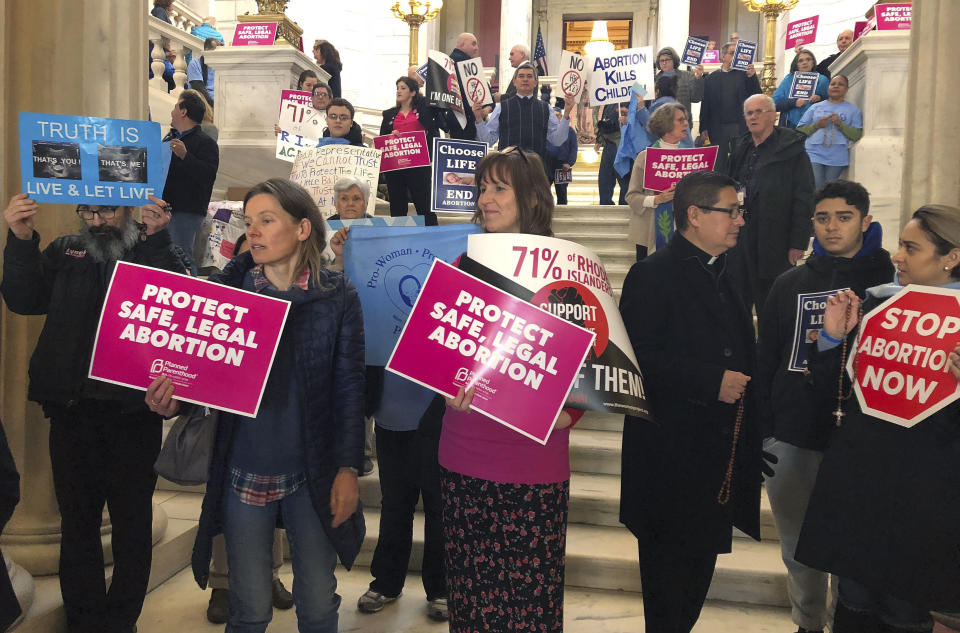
(179, 605)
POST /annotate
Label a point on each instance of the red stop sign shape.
(902, 374)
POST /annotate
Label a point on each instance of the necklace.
(841, 397)
(723, 497)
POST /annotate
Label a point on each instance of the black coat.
(431, 118)
(685, 338)
(9, 497)
(787, 402)
(885, 510)
(711, 114)
(784, 200)
(330, 363)
(190, 179)
(336, 91)
(468, 132)
(66, 284)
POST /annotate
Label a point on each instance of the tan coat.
(641, 230)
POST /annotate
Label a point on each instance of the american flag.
(540, 54)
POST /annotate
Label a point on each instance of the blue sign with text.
(90, 160)
(806, 329)
(743, 54)
(454, 170)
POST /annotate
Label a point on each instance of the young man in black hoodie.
(846, 254)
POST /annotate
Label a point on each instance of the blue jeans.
(248, 531)
(822, 174)
(183, 229)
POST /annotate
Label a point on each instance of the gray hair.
(726, 47)
(346, 183)
(769, 104)
(661, 121)
(523, 49)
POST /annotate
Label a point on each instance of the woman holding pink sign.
(296, 462)
(504, 495)
(411, 114)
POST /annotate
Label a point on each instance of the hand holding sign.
(160, 398)
(571, 74)
(156, 216)
(19, 216)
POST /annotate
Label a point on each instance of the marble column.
(931, 165)
(516, 27)
(673, 25)
(84, 57)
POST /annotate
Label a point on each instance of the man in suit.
(694, 472)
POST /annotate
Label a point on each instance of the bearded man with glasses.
(103, 439)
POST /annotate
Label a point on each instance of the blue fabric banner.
(88, 160)
(388, 266)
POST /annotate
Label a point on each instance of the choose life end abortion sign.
(89, 160)
(900, 368)
(215, 342)
(612, 76)
(521, 360)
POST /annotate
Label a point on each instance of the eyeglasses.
(749, 113)
(515, 149)
(734, 213)
(339, 117)
(105, 212)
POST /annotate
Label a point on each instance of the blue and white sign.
(612, 76)
(810, 308)
(803, 85)
(693, 51)
(388, 266)
(743, 54)
(454, 186)
(89, 160)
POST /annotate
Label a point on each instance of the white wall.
(835, 16)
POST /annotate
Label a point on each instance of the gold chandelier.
(771, 10)
(416, 13)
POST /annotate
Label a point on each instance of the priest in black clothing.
(524, 121)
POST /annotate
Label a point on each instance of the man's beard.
(106, 243)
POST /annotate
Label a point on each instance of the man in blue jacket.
(562, 158)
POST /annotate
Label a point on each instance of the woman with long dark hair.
(296, 462)
(411, 114)
(328, 58)
(505, 495)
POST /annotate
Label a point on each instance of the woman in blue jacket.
(296, 462)
(793, 109)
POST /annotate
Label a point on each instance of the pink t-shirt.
(474, 445)
(407, 122)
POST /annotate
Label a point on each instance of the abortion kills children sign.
(255, 34)
(402, 151)
(569, 281)
(454, 186)
(87, 160)
(572, 68)
(802, 32)
(475, 86)
(664, 167)
(900, 369)
(612, 76)
(216, 343)
(803, 85)
(521, 360)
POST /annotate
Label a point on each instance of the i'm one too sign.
(901, 366)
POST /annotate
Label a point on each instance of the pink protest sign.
(255, 34)
(666, 166)
(711, 56)
(861, 28)
(802, 32)
(402, 151)
(216, 343)
(522, 360)
(894, 17)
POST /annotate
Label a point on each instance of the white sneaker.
(372, 601)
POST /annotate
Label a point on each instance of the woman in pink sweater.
(504, 495)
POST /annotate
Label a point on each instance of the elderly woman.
(689, 84)
(651, 212)
(792, 110)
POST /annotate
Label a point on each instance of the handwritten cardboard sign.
(743, 54)
(402, 151)
(804, 85)
(800, 32)
(300, 125)
(613, 76)
(572, 67)
(215, 342)
(894, 17)
(521, 359)
(90, 160)
(255, 34)
(664, 167)
(693, 51)
(318, 170)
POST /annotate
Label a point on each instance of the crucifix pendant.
(838, 414)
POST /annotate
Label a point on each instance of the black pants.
(406, 185)
(607, 175)
(100, 455)
(675, 586)
(561, 192)
(408, 470)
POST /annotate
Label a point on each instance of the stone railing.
(181, 42)
(182, 16)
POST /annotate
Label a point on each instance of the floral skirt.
(505, 550)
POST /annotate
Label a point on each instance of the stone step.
(601, 557)
(598, 421)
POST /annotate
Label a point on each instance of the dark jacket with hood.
(784, 200)
(66, 284)
(329, 361)
(885, 509)
(432, 119)
(790, 411)
(354, 134)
